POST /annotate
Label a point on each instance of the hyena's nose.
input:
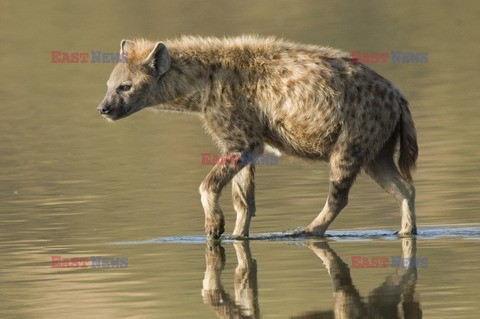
(103, 109)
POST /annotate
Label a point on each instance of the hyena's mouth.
(124, 112)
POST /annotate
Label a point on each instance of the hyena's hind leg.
(383, 171)
(345, 163)
(243, 195)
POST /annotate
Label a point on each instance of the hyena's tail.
(408, 143)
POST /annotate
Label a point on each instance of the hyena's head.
(133, 83)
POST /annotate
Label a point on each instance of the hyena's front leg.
(243, 195)
(210, 190)
(237, 131)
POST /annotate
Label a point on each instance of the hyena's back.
(315, 98)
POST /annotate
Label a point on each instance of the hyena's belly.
(309, 135)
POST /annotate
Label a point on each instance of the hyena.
(307, 101)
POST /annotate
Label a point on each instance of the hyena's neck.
(185, 87)
(198, 79)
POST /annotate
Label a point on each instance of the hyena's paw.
(240, 237)
(406, 233)
(214, 229)
(314, 232)
(295, 232)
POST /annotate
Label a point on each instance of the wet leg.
(243, 195)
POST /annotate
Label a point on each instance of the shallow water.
(72, 185)
(293, 235)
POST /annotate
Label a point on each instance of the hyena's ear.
(126, 45)
(159, 59)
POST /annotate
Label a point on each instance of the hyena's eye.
(124, 87)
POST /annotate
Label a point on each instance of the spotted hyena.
(304, 100)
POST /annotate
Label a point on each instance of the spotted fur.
(306, 101)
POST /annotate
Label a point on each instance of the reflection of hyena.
(304, 100)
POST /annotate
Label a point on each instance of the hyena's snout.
(104, 108)
(113, 109)
(107, 106)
